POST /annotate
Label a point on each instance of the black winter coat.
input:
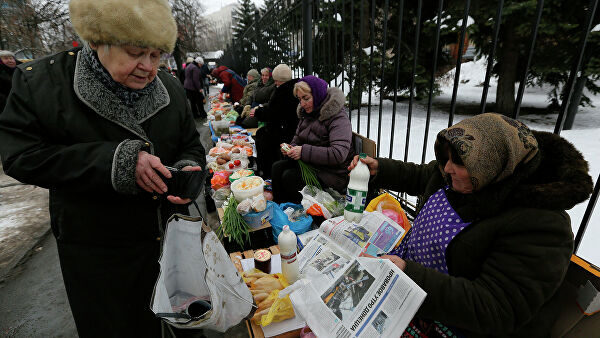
(280, 114)
(107, 229)
(5, 83)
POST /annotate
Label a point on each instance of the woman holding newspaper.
(491, 242)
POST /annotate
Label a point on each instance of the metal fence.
(360, 46)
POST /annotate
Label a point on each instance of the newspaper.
(345, 295)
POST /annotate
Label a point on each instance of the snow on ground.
(585, 134)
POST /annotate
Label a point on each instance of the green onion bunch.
(233, 224)
(309, 175)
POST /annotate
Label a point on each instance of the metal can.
(262, 260)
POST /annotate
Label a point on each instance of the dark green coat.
(505, 267)
(262, 93)
(106, 227)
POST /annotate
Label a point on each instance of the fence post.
(307, 7)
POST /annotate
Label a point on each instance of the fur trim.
(142, 23)
(333, 103)
(561, 180)
(123, 167)
(106, 104)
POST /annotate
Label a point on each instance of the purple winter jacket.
(327, 140)
(192, 77)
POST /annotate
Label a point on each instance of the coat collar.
(101, 100)
(332, 105)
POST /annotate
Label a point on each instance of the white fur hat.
(189, 59)
(6, 53)
(199, 60)
(282, 73)
(142, 23)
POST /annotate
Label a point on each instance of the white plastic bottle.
(356, 195)
(289, 259)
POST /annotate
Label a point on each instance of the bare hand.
(252, 111)
(295, 152)
(372, 163)
(179, 200)
(283, 151)
(146, 176)
(396, 260)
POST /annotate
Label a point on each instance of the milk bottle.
(289, 260)
(356, 196)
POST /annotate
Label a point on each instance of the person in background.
(253, 80)
(193, 88)
(280, 118)
(491, 242)
(233, 84)
(323, 139)
(8, 63)
(96, 126)
(204, 72)
(262, 94)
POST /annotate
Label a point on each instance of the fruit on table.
(237, 162)
(231, 166)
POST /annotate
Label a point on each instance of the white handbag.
(198, 285)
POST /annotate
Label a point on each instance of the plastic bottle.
(289, 259)
(356, 195)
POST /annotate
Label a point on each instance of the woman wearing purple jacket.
(323, 139)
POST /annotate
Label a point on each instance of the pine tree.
(243, 47)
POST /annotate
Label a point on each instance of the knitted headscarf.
(490, 146)
(318, 89)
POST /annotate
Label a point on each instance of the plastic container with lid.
(240, 174)
(247, 187)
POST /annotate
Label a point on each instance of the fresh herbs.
(309, 175)
(233, 225)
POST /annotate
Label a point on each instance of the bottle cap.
(286, 228)
(362, 155)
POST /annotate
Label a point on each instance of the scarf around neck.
(127, 95)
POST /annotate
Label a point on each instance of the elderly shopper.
(96, 126)
(7, 68)
(194, 87)
(262, 94)
(280, 118)
(233, 84)
(323, 139)
(252, 82)
(491, 242)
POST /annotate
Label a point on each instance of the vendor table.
(252, 131)
(254, 330)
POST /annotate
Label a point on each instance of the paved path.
(33, 301)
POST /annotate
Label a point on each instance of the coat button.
(147, 144)
(155, 197)
(28, 68)
(158, 239)
(51, 62)
(71, 53)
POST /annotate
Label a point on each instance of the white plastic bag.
(317, 202)
(195, 268)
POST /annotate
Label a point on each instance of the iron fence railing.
(344, 41)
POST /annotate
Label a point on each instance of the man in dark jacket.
(280, 117)
(96, 132)
(7, 68)
(194, 88)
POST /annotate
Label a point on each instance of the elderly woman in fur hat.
(491, 242)
(7, 68)
(323, 139)
(96, 126)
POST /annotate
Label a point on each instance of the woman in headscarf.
(7, 68)
(323, 140)
(96, 126)
(253, 81)
(491, 242)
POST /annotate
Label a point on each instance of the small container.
(262, 260)
(258, 219)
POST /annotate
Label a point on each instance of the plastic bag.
(259, 203)
(281, 309)
(320, 203)
(280, 219)
(389, 206)
(244, 206)
(220, 179)
(220, 196)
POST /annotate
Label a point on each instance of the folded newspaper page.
(369, 297)
(375, 234)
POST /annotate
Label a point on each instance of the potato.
(221, 161)
(236, 150)
(225, 157)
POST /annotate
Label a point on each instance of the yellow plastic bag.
(281, 309)
(390, 207)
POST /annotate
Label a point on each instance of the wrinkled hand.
(283, 151)
(396, 260)
(179, 200)
(295, 152)
(372, 163)
(146, 176)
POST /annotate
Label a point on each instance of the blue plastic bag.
(280, 219)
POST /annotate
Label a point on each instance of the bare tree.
(191, 28)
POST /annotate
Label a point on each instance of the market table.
(254, 330)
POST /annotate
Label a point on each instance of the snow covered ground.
(585, 134)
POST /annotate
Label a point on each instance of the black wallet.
(185, 184)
